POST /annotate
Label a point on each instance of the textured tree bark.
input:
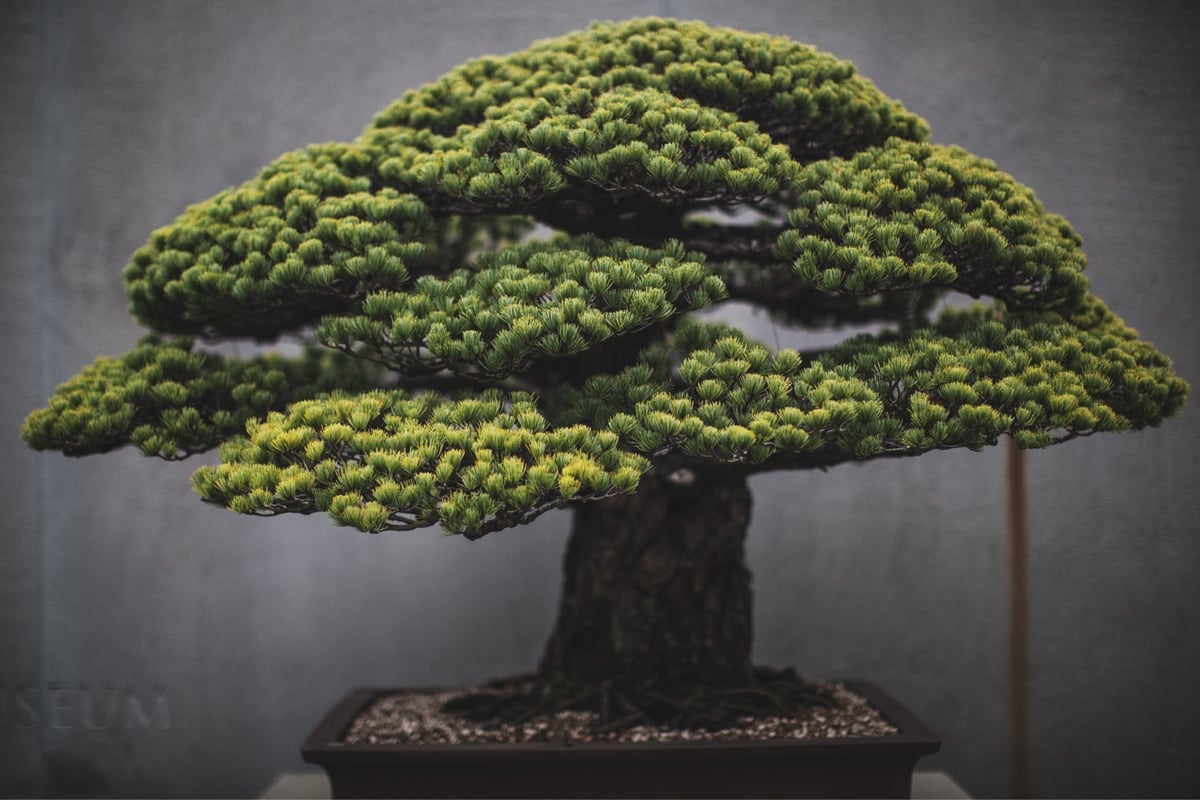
(656, 591)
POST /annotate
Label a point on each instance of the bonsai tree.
(495, 287)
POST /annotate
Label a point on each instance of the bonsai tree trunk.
(655, 622)
(656, 595)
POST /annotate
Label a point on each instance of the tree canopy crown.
(497, 278)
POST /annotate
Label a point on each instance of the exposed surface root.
(620, 706)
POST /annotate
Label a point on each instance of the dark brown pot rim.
(324, 745)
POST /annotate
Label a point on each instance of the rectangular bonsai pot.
(836, 767)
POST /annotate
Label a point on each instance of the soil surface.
(415, 717)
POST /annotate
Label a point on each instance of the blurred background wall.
(152, 645)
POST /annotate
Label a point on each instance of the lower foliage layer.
(380, 459)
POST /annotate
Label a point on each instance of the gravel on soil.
(415, 717)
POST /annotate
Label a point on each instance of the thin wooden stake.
(1018, 624)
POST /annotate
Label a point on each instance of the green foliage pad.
(497, 281)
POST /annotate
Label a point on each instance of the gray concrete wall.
(156, 646)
